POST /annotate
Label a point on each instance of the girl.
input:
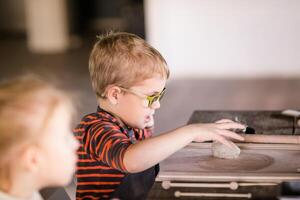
(37, 148)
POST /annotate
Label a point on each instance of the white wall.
(226, 38)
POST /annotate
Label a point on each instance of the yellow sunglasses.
(151, 99)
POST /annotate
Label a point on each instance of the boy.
(118, 158)
(37, 146)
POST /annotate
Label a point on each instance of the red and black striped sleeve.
(109, 144)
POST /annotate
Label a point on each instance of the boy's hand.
(218, 131)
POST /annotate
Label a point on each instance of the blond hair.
(124, 59)
(26, 105)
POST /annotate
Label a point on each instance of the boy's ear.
(113, 94)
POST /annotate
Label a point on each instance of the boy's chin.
(141, 126)
(138, 126)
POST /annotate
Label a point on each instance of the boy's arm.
(149, 152)
(108, 144)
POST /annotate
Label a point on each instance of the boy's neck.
(105, 105)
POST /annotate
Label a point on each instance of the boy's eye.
(153, 95)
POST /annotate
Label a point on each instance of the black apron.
(136, 186)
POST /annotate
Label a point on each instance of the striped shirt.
(103, 142)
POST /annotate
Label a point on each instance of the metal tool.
(292, 113)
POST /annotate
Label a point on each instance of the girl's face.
(57, 150)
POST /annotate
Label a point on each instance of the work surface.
(257, 162)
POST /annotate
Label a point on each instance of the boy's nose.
(155, 105)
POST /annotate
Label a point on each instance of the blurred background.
(223, 55)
